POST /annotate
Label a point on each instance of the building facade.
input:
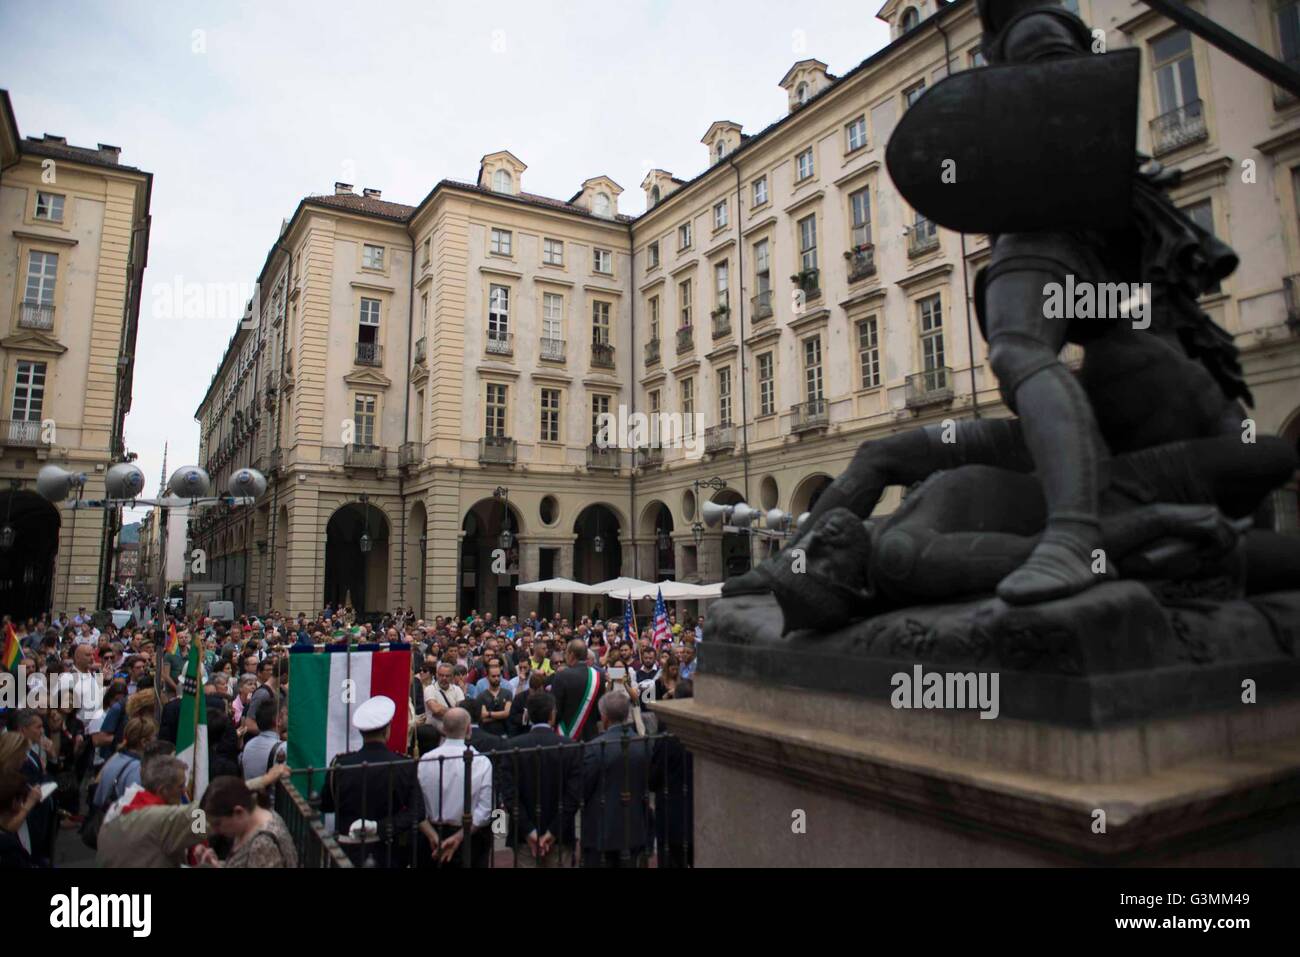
(74, 235)
(419, 380)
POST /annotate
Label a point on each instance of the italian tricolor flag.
(192, 732)
(326, 688)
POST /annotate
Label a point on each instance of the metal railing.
(762, 305)
(931, 387)
(370, 354)
(408, 453)
(685, 339)
(23, 432)
(623, 801)
(1178, 128)
(652, 352)
(922, 238)
(602, 355)
(552, 349)
(363, 456)
(720, 438)
(496, 450)
(420, 354)
(499, 343)
(812, 414)
(650, 458)
(36, 315)
(809, 280)
(603, 456)
(721, 323)
(862, 262)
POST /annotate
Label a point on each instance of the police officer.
(374, 793)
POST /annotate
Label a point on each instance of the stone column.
(564, 603)
(529, 561)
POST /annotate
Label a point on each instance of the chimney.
(369, 193)
(342, 189)
(57, 140)
(108, 153)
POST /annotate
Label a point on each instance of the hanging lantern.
(7, 536)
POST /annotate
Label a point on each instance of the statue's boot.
(824, 585)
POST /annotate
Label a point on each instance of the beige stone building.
(74, 235)
(448, 361)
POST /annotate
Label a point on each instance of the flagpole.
(194, 763)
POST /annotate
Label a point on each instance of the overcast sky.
(241, 109)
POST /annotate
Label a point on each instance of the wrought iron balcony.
(602, 355)
(408, 454)
(24, 432)
(762, 305)
(370, 354)
(809, 280)
(499, 343)
(36, 315)
(685, 339)
(721, 322)
(1178, 128)
(496, 450)
(603, 457)
(810, 415)
(421, 354)
(552, 349)
(931, 387)
(720, 438)
(363, 456)
(650, 458)
(652, 352)
(922, 238)
(862, 262)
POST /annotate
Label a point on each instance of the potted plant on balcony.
(806, 279)
(721, 312)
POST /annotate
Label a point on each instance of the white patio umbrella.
(558, 586)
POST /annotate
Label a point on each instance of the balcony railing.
(496, 450)
(650, 458)
(762, 305)
(363, 456)
(721, 322)
(370, 354)
(24, 432)
(809, 280)
(421, 354)
(922, 238)
(602, 355)
(500, 343)
(652, 352)
(810, 415)
(553, 349)
(685, 339)
(408, 453)
(36, 315)
(720, 438)
(603, 456)
(1178, 128)
(862, 262)
(931, 387)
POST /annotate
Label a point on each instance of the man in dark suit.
(484, 742)
(672, 781)
(615, 774)
(541, 788)
(578, 689)
(390, 797)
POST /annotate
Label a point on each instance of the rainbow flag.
(12, 653)
(173, 641)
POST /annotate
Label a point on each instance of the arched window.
(654, 196)
(501, 181)
(801, 94)
(602, 204)
(720, 150)
(911, 17)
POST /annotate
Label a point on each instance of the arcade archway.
(353, 574)
(27, 565)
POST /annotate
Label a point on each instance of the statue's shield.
(1023, 147)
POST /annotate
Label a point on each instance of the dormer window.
(602, 205)
(910, 18)
(719, 151)
(654, 196)
(801, 94)
(502, 182)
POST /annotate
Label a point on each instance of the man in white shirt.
(442, 781)
(441, 696)
(85, 684)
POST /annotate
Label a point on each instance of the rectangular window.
(363, 419)
(49, 206)
(812, 368)
(599, 407)
(808, 242)
(652, 256)
(869, 353)
(1202, 214)
(860, 209)
(553, 252)
(720, 279)
(804, 165)
(1175, 70)
(424, 315)
(1288, 31)
(913, 93)
(688, 407)
(855, 134)
(600, 322)
(42, 271)
(684, 297)
(498, 312)
(684, 236)
(424, 252)
(760, 191)
(495, 406)
(762, 266)
(29, 391)
(502, 241)
(724, 396)
(766, 385)
(654, 401)
(552, 316)
(550, 430)
(720, 215)
(930, 323)
(654, 318)
(369, 322)
(372, 257)
(602, 261)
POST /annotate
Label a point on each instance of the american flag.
(662, 633)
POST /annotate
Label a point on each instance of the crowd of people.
(532, 698)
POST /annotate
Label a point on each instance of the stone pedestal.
(1095, 758)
